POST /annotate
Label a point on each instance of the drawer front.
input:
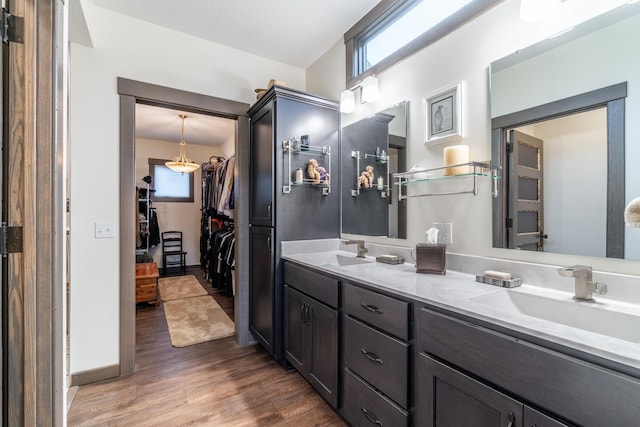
(381, 311)
(318, 286)
(378, 358)
(363, 406)
(146, 293)
(577, 390)
(146, 281)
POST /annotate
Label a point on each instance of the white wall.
(464, 56)
(134, 49)
(181, 216)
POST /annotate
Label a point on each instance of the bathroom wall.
(133, 49)
(463, 56)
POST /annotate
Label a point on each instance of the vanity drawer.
(324, 289)
(378, 358)
(364, 406)
(580, 391)
(381, 311)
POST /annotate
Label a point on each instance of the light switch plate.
(105, 230)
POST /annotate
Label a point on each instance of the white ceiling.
(164, 124)
(295, 32)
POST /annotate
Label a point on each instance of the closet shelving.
(144, 223)
(474, 170)
(294, 151)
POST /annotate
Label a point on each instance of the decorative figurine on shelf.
(312, 172)
(366, 178)
(324, 175)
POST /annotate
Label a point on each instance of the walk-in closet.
(185, 169)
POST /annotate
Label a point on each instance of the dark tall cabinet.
(280, 211)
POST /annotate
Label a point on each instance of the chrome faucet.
(361, 249)
(585, 286)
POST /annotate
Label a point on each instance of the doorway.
(132, 93)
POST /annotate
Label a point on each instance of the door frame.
(35, 172)
(612, 97)
(132, 92)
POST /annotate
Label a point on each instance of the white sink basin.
(344, 260)
(596, 317)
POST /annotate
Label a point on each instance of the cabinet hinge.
(509, 223)
(509, 147)
(12, 28)
(10, 240)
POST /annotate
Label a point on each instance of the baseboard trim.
(93, 375)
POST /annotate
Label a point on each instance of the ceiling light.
(182, 163)
(370, 89)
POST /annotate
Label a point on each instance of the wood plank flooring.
(216, 383)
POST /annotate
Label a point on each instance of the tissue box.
(431, 259)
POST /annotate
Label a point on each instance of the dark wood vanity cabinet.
(468, 370)
(376, 358)
(311, 328)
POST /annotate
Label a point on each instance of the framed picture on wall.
(443, 115)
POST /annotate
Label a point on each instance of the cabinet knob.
(371, 356)
(371, 308)
(512, 419)
(369, 415)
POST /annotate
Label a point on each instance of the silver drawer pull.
(371, 308)
(512, 419)
(372, 418)
(371, 356)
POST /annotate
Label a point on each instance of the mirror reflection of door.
(526, 214)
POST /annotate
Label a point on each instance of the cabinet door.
(261, 168)
(533, 418)
(261, 286)
(448, 398)
(323, 350)
(295, 328)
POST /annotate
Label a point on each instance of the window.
(396, 29)
(169, 186)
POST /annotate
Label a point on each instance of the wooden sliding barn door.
(31, 376)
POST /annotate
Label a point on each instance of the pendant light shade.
(182, 163)
(347, 101)
(370, 89)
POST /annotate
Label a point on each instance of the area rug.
(196, 320)
(178, 287)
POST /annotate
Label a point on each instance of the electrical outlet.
(445, 232)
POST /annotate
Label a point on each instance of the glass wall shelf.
(473, 170)
(291, 149)
(379, 159)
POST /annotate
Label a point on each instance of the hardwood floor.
(215, 383)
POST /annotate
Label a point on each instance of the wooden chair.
(172, 253)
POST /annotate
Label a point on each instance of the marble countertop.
(457, 292)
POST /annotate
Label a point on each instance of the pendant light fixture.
(182, 163)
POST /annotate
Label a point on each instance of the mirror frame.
(611, 97)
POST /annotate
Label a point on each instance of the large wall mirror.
(372, 150)
(563, 131)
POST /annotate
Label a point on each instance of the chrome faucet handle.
(361, 249)
(600, 288)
